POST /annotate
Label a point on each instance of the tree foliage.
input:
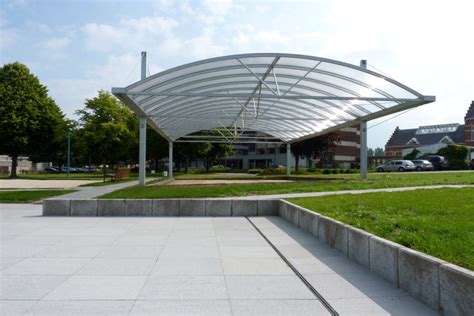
(108, 130)
(31, 123)
(412, 156)
(456, 156)
(317, 147)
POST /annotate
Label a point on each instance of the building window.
(282, 149)
(270, 150)
(261, 151)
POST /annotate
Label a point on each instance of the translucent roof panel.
(290, 97)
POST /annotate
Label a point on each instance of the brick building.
(249, 156)
(429, 139)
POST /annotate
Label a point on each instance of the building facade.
(429, 139)
(250, 156)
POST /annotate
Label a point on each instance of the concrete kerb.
(168, 207)
(218, 208)
(267, 207)
(111, 207)
(358, 248)
(56, 207)
(456, 290)
(84, 207)
(192, 207)
(244, 208)
(383, 258)
(138, 207)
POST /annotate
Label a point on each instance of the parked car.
(397, 165)
(51, 170)
(423, 165)
(439, 163)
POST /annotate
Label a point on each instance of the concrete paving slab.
(47, 266)
(127, 251)
(81, 307)
(28, 287)
(99, 266)
(278, 307)
(185, 288)
(190, 266)
(98, 288)
(252, 266)
(182, 307)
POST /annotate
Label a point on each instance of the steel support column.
(288, 159)
(363, 150)
(170, 160)
(142, 144)
(363, 139)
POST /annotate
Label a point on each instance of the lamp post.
(68, 151)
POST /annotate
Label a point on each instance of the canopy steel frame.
(286, 96)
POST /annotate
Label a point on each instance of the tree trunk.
(104, 168)
(14, 165)
(207, 165)
(297, 164)
(186, 165)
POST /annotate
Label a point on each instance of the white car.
(397, 165)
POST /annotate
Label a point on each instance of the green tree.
(31, 123)
(316, 147)
(108, 129)
(186, 152)
(456, 156)
(412, 156)
(370, 152)
(217, 151)
(379, 151)
(157, 146)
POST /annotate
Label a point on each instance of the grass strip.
(439, 222)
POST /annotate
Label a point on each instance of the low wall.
(445, 287)
(159, 207)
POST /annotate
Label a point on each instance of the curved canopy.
(290, 97)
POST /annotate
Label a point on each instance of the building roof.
(470, 112)
(290, 97)
(404, 137)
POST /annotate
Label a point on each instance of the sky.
(79, 47)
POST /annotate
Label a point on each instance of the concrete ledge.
(192, 207)
(83, 207)
(313, 224)
(456, 290)
(244, 207)
(304, 219)
(165, 207)
(111, 207)
(358, 245)
(383, 258)
(56, 207)
(418, 274)
(218, 208)
(292, 213)
(267, 207)
(333, 233)
(282, 206)
(138, 207)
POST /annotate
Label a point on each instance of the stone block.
(56, 207)
(333, 233)
(282, 206)
(456, 290)
(84, 207)
(244, 207)
(111, 207)
(192, 207)
(313, 224)
(292, 213)
(358, 245)
(418, 274)
(384, 258)
(165, 207)
(304, 219)
(268, 207)
(138, 207)
(218, 208)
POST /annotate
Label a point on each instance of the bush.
(326, 171)
(217, 169)
(255, 171)
(456, 156)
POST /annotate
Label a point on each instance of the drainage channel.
(325, 303)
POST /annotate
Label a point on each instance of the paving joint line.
(315, 292)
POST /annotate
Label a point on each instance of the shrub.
(456, 156)
(255, 171)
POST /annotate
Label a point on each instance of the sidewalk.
(324, 193)
(93, 192)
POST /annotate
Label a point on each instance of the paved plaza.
(179, 265)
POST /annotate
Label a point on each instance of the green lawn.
(324, 183)
(439, 222)
(29, 196)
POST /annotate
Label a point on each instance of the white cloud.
(57, 43)
(218, 7)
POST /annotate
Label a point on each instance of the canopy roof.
(290, 97)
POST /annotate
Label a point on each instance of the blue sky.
(79, 47)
